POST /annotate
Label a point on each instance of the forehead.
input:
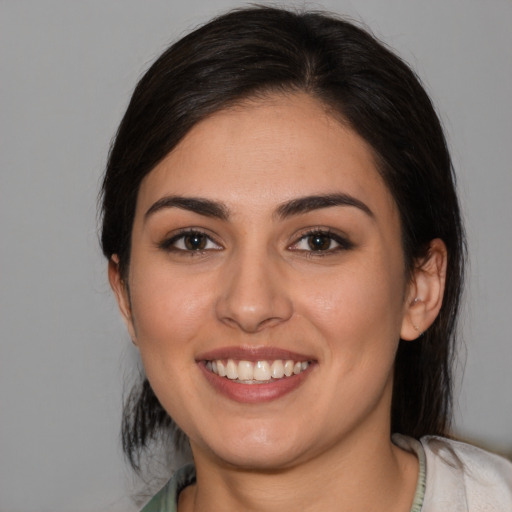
(267, 151)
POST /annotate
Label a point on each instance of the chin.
(261, 459)
(256, 449)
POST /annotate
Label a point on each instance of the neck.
(355, 475)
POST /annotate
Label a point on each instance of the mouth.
(255, 375)
(256, 372)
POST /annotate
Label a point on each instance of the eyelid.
(344, 243)
(167, 244)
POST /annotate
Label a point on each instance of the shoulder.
(465, 477)
(166, 499)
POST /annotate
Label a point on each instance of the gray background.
(67, 69)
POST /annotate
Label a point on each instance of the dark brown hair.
(262, 50)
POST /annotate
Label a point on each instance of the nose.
(253, 295)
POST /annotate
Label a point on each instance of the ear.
(120, 289)
(425, 292)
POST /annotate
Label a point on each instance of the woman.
(285, 244)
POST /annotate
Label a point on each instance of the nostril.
(254, 317)
(248, 326)
(252, 294)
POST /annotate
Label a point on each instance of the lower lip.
(255, 393)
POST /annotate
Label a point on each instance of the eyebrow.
(199, 205)
(300, 205)
(316, 202)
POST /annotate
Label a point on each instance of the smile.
(254, 375)
(257, 372)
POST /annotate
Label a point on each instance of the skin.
(257, 283)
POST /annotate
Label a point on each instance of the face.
(267, 290)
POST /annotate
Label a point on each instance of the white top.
(452, 477)
(460, 477)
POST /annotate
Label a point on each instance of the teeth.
(221, 369)
(245, 370)
(277, 369)
(231, 370)
(260, 371)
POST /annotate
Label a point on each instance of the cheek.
(169, 313)
(358, 305)
(168, 310)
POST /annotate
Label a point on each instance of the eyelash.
(343, 244)
(169, 244)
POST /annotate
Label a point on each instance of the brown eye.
(319, 242)
(190, 242)
(195, 241)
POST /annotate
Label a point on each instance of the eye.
(321, 241)
(190, 241)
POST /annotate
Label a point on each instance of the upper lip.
(245, 353)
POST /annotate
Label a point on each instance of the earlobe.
(426, 291)
(121, 293)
